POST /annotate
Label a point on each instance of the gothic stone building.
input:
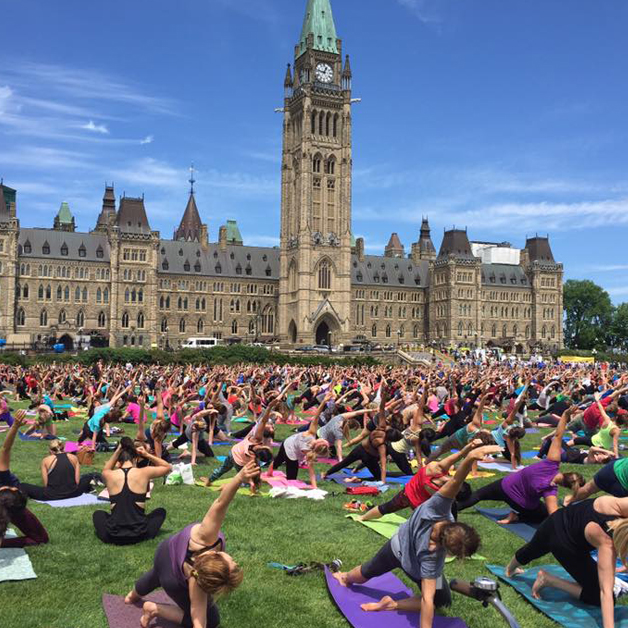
(122, 281)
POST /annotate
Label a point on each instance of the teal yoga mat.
(562, 608)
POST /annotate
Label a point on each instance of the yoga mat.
(523, 530)
(279, 479)
(532, 430)
(363, 474)
(480, 474)
(385, 526)
(36, 438)
(529, 454)
(218, 484)
(15, 563)
(503, 467)
(559, 606)
(349, 599)
(121, 615)
(402, 479)
(87, 499)
(71, 447)
(341, 479)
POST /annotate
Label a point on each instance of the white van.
(201, 343)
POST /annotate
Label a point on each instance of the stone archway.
(67, 341)
(292, 332)
(325, 331)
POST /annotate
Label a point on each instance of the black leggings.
(580, 566)
(163, 576)
(399, 502)
(401, 460)
(87, 434)
(243, 433)
(154, 521)
(203, 446)
(359, 453)
(583, 440)
(292, 466)
(495, 493)
(385, 561)
(44, 494)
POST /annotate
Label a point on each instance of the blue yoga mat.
(557, 605)
(522, 530)
(36, 438)
(529, 454)
(340, 478)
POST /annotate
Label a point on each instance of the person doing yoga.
(13, 500)
(61, 476)
(524, 490)
(128, 485)
(302, 447)
(425, 483)
(507, 435)
(193, 568)
(420, 547)
(612, 478)
(571, 534)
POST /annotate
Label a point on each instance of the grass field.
(75, 569)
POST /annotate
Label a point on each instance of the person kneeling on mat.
(193, 568)
(420, 547)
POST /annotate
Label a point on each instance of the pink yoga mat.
(349, 599)
(121, 615)
(279, 479)
(71, 447)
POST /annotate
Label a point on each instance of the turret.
(424, 248)
(64, 220)
(347, 76)
(394, 248)
(288, 83)
(108, 213)
(455, 244)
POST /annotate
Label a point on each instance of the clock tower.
(315, 279)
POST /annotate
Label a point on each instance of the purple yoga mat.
(349, 599)
(121, 615)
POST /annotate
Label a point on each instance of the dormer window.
(417, 280)
(248, 270)
(265, 258)
(268, 271)
(197, 267)
(163, 250)
(165, 265)
(359, 276)
(180, 252)
(45, 249)
(27, 247)
(384, 278)
(238, 269)
(215, 254)
(64, 249)
(232, 256)
(248, 257)
(82, 251)
(402, 279)
(99, 252)
(198, 253)
(186, 266)
(218, 269)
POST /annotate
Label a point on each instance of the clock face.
(324, 73)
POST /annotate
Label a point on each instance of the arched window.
(336, 125)
(494, 331)
(66, 294)
(80, 319)
(127, 295)
(252, 326)
(324, 276)
(415, 332)
(43, 319)
(40, 293)
(504, 330)
(59, 293)
(182, 326)
(77, 295)
(164, 325)
(25, 291)
(515, 331)
(328, 125)
(544, 332)
(85, 295)
(102, 320)
(140, 320)
(460, 328)
(62, 317)
(125, 320)
(313, 128)
(99, 295)
(48, 293)
(200, 326)
(140, 296)
(133, 295)
(316, 164)
(321, 123)
(388, 331)
(234, 327)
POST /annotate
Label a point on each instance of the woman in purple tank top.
(193, 568)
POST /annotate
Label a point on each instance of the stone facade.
(126, 284)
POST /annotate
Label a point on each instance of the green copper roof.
(319, 20)
(233, 232)
(65, 215)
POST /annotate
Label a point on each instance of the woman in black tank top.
(128, 522)
(61, 475)
(571, 534)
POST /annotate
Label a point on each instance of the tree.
(619, 328)
(588, 314)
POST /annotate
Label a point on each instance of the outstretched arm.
(212, 522)
(5, 451)
(451, 489)
(556, 448)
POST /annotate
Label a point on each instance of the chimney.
(359, 249)
(222, 238)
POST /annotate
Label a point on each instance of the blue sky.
(504, 116)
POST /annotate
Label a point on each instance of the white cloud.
(425, 10)
(6, 93)
(95, 128)
(618, 292)
(44, 158)
(149, 139)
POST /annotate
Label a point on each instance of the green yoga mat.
(386, 526)
(557, 605)
(218, 484)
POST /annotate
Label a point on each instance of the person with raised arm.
(128, 486)
(420, 547)
(302, 447)
(507, 435)
(13, 500)
(193, 568)
(524, 490)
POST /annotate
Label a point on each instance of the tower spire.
(192, 180)
(319, 24)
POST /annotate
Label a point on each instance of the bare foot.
(341, 577)
(132, 597)
(514, 572)
(150, 612)
(539, 584)
(512, 517)
(385, 604)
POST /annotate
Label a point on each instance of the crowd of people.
(432, 423)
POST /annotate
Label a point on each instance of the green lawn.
(75, 569)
